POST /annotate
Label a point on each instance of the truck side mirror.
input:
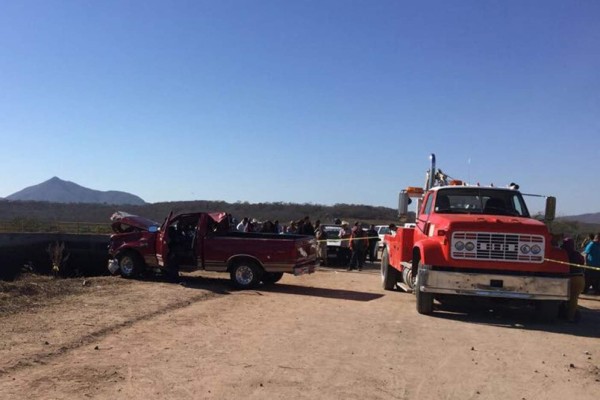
(550, 213)
(403, 202)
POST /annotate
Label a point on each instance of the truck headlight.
(470, 246)
(459, 246)
(525, 249)
(535, 249)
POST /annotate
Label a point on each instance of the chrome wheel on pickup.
(245, 274)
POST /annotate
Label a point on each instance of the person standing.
(243, 225)
(373, 239)
(592, 259)
(307, 227)
(321, 237)
(576, 280)
(344, 250)
(358, 245)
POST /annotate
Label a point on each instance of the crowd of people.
(356, 243)
(583, 280)
(301, 227)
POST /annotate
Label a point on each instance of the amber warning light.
(413, 190)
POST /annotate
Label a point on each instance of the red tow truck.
(204, 241)
(474, 241)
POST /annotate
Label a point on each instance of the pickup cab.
(205, 241)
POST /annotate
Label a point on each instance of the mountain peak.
(56, 190)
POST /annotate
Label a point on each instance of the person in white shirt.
(243, 226)
(344, 251)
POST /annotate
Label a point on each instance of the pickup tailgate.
(306, 250)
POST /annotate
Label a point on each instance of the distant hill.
(593, 218)
(56, 190)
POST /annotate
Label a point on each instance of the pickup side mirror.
(550, 213)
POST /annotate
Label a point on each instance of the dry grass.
(31, 290)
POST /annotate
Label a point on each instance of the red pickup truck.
(204, 241)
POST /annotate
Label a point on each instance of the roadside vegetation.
(32, 216)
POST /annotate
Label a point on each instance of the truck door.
(162, 246)
(203, 230)
(423, 218)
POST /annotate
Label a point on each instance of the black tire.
(424, 300)
(547, 310)
(245, 274)
(389, 274)
(131, 264)
(172, 274)
(272, 277)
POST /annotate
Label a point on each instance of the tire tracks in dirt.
(45, 357)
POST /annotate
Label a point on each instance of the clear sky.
(301, 101)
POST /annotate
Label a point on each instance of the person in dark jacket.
(373, 238)
(358, 245)
(307, 228)
(576, 281)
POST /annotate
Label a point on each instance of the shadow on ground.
(223, 286)
(321, 292)
(522, 317)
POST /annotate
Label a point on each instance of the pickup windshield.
(480, 201)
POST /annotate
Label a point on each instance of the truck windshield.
(480, 201)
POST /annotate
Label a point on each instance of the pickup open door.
(162, 246)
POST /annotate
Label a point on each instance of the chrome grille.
(495, 246)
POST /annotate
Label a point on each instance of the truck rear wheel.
(130, 264)
(245, 274)
(272, 277)
(424, 300)
(389, 275)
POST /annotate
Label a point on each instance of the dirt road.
(330, 335)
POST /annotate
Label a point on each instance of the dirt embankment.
(329, 335)
(83, 254)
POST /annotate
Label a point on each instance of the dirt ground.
(329, 335)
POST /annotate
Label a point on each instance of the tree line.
(45, 216)
(39, 216)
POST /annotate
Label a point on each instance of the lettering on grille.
(497, 247)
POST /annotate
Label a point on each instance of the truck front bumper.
(492, 285)
(304, 269)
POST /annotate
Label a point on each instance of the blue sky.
(301, 101)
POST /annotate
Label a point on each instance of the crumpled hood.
(123, 220)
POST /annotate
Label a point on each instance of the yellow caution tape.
(340, 239)
(572, 265)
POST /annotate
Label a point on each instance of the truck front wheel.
(424, 300)
(245, 274)
(130, 264)
(389, 275)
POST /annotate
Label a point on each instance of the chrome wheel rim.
(244, 275)
(127, 265)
